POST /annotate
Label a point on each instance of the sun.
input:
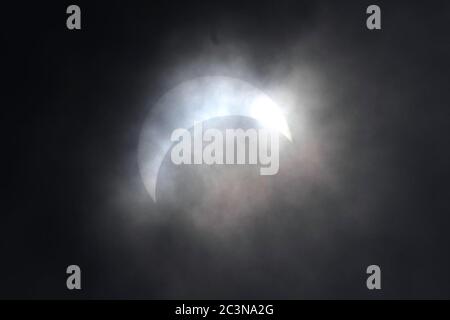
(199, 100)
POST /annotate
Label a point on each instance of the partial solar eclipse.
(196, 101)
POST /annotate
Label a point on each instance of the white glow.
(269, 115)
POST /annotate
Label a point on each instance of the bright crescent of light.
(196, 101)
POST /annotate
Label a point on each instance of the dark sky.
(368, 184)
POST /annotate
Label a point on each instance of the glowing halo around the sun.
(199, 100)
